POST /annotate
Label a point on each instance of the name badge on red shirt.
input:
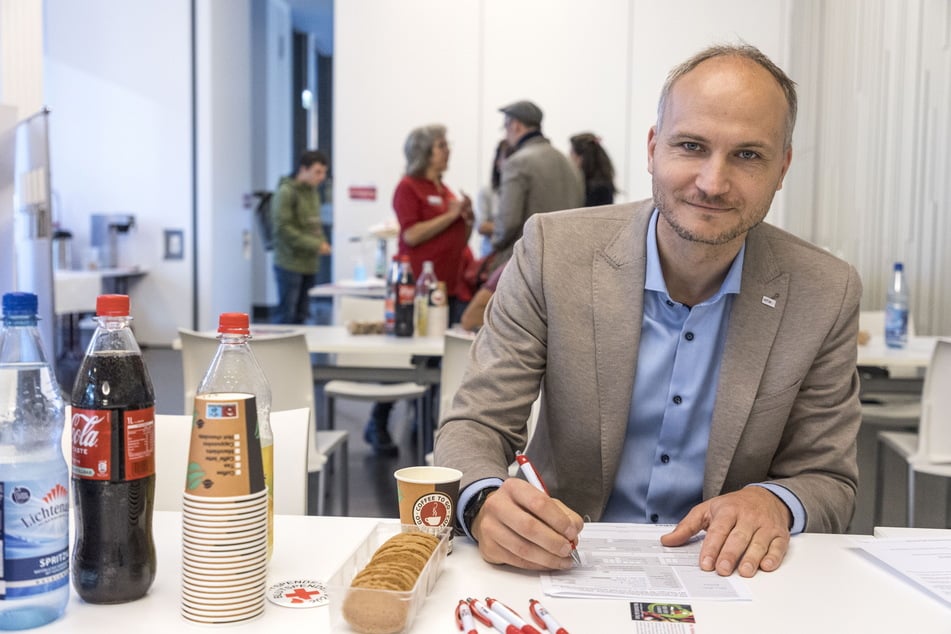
(434, 200)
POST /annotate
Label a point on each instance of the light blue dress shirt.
(660, 477)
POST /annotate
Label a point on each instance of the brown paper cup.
(224, 455)
(428, 497)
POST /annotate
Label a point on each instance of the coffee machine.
(106, 229)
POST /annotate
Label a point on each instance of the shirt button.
(689, 336)
(665, 458)
(670, 303)
(654, 517)
(678, 400)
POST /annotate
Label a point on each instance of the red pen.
(509, 615)
(535, 479)
(464, 618)
(544, 618)
(490, 618)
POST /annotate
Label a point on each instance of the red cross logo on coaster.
(299, 593)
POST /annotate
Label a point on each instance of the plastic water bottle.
(896, 309)
(234, 372)
(425, 286)
(33, 477)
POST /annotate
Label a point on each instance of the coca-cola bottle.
(389, 302)
(113, 423)
(405, 300)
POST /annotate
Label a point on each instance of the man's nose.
(713, 179)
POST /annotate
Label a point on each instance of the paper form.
(628, 561)
(926, 562)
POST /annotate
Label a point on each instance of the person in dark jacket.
(299, 238)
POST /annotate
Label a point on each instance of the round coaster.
(299, 593)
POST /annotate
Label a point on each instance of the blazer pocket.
(769, 402)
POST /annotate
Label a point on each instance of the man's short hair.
(419, 147)
(745, 51)
(525, 111)
(310, 157)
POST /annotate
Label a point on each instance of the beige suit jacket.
(567, 318)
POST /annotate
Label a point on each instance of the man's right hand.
(523, 527)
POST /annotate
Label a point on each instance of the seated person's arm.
(474, 314)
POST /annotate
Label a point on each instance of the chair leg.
(911, 496)
(329, 410)
(343, 473)
(879, 484)
(320, 489)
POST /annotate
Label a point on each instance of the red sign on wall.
(364, 192)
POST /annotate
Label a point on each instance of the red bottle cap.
(233, 323)
(112, 305)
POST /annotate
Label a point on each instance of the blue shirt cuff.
(467, 494)
(792, 503)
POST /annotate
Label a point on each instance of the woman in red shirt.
(434, 225)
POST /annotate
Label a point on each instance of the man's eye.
(690, 147)
(748, 155)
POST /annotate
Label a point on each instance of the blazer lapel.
(754, 322)
(617, 280)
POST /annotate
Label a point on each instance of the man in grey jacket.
(697, 366)
(535, 178)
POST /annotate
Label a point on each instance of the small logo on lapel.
(769, 301)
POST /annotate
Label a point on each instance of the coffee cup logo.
(433, 510)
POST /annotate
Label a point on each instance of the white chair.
(370, 309)
(286, 363)
(928, 451)
(172, 434)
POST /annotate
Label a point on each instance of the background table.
(825, 585)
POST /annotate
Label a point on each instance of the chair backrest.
(454, 361)
(934, 429)
(351, 308)
(291, 430)
(283, 357)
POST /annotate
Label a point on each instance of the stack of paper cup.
(224, 514)
(224, 558)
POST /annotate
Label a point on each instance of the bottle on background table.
(896, 309)
(34, 481)
(234, 371)
(426, 285)
(405, 323)
(389, 302)
(113, 428)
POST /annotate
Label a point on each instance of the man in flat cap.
(535, 178)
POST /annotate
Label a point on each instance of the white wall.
(223, 63)
(118, 83)
(591, 66)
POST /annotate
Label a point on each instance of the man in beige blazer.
(569, 314)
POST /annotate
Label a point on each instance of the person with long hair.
(595, 165)
(487, 202)
(435, 225)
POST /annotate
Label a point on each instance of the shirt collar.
(654, 279)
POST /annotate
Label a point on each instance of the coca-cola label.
(406, 294)
(93, 438)
(139, 425)
(92, 442)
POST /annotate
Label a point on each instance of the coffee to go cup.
(428, 497)
(224, 454)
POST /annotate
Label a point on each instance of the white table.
(825, 585)
(916, 355)
(76, 291)
(373, 287)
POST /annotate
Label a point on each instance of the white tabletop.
(824, 585)
(373, 287)
(338, 340)
(917, 354)
(76, 290)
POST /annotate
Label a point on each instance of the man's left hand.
(747, 530)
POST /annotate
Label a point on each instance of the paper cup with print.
(224, 457)
(428, 497)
